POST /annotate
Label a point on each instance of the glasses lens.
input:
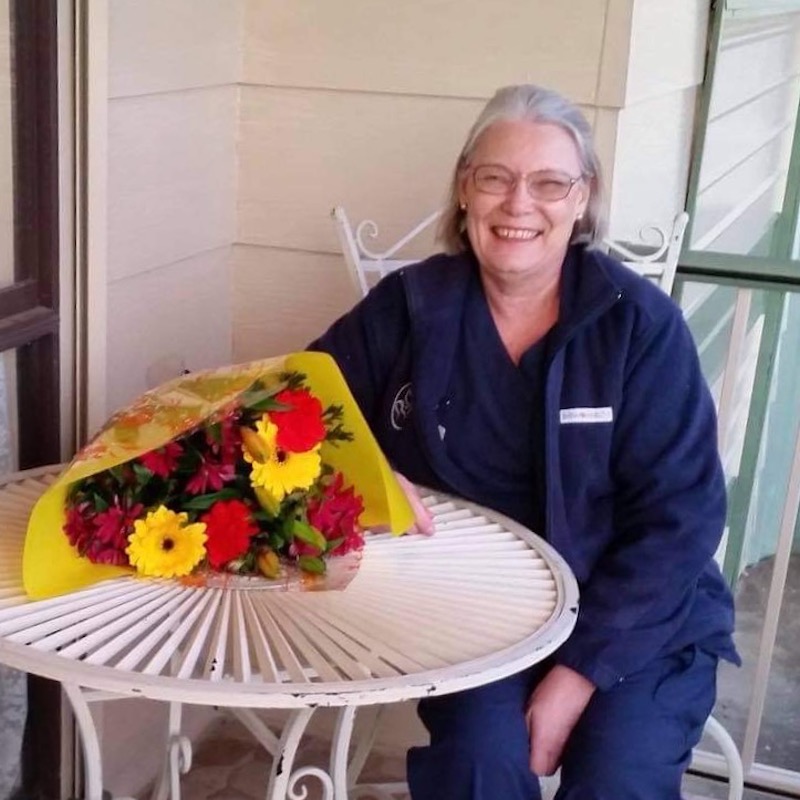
(549, 185)
(493, 179)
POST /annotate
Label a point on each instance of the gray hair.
(532, 104)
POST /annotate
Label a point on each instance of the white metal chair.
(655, 256)
(367, 266)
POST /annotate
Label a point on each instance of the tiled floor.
(228, 766)
(12, 719)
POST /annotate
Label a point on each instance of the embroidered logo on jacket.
(572, 416)
(401, 407)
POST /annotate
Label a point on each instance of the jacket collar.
(587, 289)
(437, 288)
(436, 292)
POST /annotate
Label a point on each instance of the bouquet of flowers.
(263, 470)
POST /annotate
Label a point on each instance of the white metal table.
(424, 616)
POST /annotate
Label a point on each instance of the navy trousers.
(633, 741)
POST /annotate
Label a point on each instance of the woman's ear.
(582, 202)
(462, 188)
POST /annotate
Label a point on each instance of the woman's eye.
(494, 180)
(549, 188)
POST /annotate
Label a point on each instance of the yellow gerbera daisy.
(163, 545)
(278, 471)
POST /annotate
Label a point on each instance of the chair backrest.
(655, 256)
(368, 266)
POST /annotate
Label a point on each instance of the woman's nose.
(518, 200)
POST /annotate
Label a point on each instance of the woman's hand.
(423, 521)
(553, 710)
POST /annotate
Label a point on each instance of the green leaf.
(260, 397)
(99, 503)
(267, 404)
(312, 564)
(293, 380)
(276, 541)
(306, 533)
(117, 473)
(143, 475)
(214, 432)
(333, 544)
(205, 501)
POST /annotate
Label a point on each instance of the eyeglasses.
(542, 184)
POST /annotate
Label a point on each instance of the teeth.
(515, 233)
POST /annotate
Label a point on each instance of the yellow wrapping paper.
(51, 566)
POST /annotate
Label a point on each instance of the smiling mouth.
(517, 234)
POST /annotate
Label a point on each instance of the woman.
(530, 373)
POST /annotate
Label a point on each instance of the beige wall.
(172, 74)
(234, 127)
(366, 105)
(653, 127)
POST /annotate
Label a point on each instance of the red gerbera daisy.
(229, 526)
(300, 427)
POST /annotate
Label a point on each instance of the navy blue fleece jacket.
(633, 490)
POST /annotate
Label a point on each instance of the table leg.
(283, 780)
(92, 764)
(179, 758)
(340, 747)
(370, 717)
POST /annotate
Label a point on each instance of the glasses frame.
(516, 177)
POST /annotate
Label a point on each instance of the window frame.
(777, 268)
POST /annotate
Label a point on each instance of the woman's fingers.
(423, 521)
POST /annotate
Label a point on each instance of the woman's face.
(514, 234)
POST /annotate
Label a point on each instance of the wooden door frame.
(29, 314)
(29, 318)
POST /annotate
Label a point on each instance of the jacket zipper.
(551, 427)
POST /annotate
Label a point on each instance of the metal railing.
(747, 330)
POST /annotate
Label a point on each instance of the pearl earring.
(463, 206)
